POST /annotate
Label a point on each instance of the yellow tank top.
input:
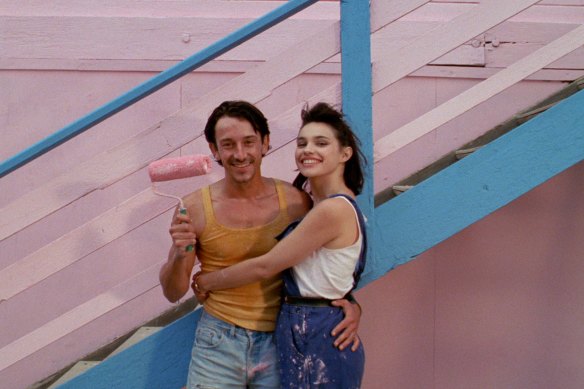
(253, 306)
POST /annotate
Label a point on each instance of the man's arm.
(175, 274)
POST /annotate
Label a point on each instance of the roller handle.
(190, 247)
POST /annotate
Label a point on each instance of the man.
(231, 220)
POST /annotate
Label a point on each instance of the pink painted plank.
(537, 13)
(142, 38)
(77, 317)
(79, 93)
(166, 136)
(35, 340)
(419, 95)
(479, 93)
(542, 2)
(88, 338)
(398, 34)
(564, 75)
(119, 260)
(161, 9)
(383, 13)
(66, 250)
(125, 217)
(443, 39)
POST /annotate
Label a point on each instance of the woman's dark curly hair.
(324, 113)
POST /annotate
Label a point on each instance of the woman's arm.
(323, 224)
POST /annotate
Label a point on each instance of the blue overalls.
(308, 358)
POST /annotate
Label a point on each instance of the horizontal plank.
(333, 68)
(465, 72)
(506, 54)
(161, 9)
(504, 42)
(535, 13)
(141, 38)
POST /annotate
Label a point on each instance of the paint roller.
(176, 168)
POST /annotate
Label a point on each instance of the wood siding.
(82, 235)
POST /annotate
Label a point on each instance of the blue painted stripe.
(356, 86)
(159, 361)
(155, 83)
(478, 185)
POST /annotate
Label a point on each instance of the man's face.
(239, 148)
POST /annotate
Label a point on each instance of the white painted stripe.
(479, 93)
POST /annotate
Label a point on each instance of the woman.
(325, 254)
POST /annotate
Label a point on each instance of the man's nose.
(239, 151)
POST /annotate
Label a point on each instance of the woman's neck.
(321, 190)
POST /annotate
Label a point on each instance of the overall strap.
(360, 266)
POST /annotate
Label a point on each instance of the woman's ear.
(347, 153)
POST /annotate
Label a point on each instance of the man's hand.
(346, 330)
(182, 233)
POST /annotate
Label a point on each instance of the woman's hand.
(199, 294)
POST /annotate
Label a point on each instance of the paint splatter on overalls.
(308, 358)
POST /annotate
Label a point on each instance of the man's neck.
(254, 189)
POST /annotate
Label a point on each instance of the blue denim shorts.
(225, 356)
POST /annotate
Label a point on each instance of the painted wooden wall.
(82, 237)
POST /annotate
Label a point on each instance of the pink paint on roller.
(175, 168)
(181, 167)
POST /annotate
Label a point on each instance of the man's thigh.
(229, 357)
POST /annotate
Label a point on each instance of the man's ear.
(214, 151)
(265, 145)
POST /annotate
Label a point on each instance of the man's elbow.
(172, 297)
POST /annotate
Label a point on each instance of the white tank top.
(328, 273)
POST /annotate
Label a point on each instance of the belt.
(307, 301)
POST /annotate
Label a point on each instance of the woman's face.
(318, 151)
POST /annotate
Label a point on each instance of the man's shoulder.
(293, 192)
(299, 202)
(194, 198)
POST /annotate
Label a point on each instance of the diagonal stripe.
(476, 186)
